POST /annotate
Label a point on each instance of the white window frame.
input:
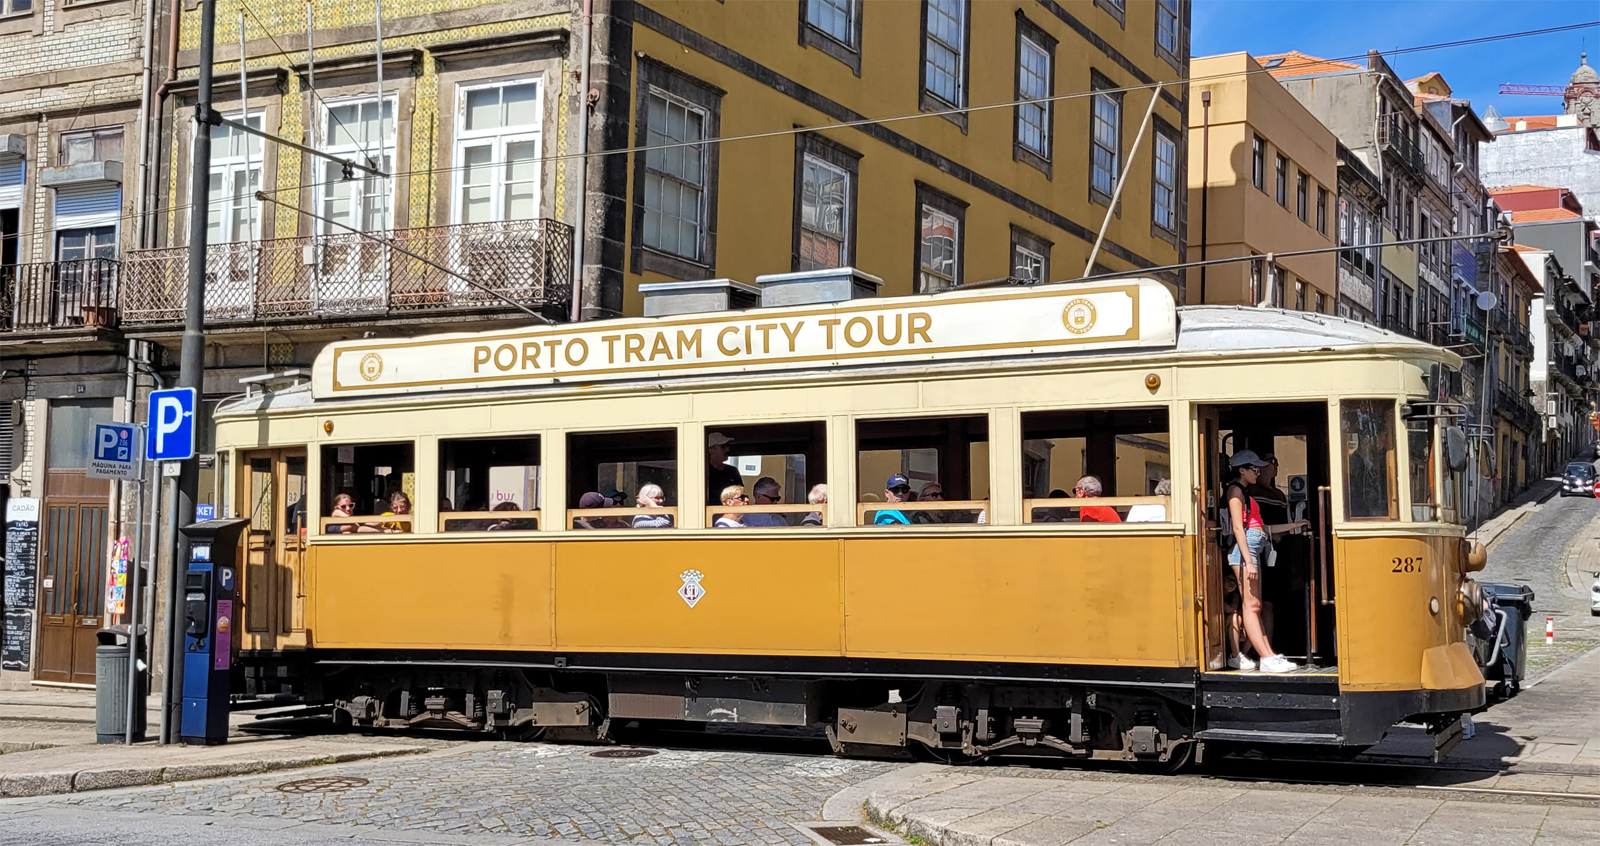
(226, 166)
(846, 8)
(498, 139)
(331, 174)
(1168, 9)
(933, 280)
(703, 186)
(1036, 104)
(1170, 207)
(1113, 168)
(1020, 253)
(811, 160)
(8, 8)
(958, 74)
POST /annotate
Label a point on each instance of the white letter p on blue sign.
(171, 432)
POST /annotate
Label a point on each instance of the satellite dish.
(1487, 300)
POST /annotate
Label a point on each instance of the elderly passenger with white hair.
(651, 496)
(1155, 512)
(1088, 487)
(818, 496)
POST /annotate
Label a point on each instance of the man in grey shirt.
(767, 491)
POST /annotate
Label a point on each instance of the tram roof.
(1150, 326)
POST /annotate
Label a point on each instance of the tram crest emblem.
(1079, 316)
(371, 367)
(691, 591)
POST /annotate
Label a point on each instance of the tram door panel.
(1209, 472)
(273, 587)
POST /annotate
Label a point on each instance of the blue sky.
(1344, 28)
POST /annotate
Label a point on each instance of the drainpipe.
(1205, 186)
(580, 233)
(147, 59)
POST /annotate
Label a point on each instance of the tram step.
(1259, 736)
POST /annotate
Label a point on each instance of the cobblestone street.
(1554, 551)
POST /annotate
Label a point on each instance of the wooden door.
(273, 588)
(1209, 478)
(72, 572)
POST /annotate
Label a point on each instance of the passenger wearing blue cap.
(896, 489)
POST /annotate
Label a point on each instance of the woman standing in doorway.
(1251, 536)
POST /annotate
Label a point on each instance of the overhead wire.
(1054, 98)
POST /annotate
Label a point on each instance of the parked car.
(1579, 479)
(1594, 597)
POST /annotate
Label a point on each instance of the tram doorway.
(273, 491)
(1297, 592)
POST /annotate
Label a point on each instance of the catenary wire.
(1075, 95)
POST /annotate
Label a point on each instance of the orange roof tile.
(1533, 121)
(1521, 189)
(1544, 215)
(1524, 248)
(1296, 63)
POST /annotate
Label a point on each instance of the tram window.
(370, 475)
(488, 485)
(607, 471)
(1126, 452)
(1369, 459)
(939, 467)
(778, 464)
(1419, 452)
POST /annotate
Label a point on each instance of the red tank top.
(1252, 512)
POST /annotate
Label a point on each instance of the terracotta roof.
(1521, 189)
(1419, 99)
(1524, 248)
(1543, 215)
(1534, 122)
(1296, 63)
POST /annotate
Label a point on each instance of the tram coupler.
(1448, 732)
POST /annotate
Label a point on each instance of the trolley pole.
(191, 368)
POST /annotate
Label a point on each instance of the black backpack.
(1225, 538)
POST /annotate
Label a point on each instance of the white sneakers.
(1269, 664)
(1277, 664)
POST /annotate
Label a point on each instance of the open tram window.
(922, 470)
(367, 481)
(1367, 426)
(782, 468)
(611, 474)
(489, 484)
(1120, 456)
(1420, 457)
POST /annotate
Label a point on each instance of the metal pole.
(383, 182)
(1116, 193)
(1205, 185)
(172, 679)
(135, 558)
(192, 358)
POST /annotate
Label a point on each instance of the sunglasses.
(773, 497)
(934, 495)
(742, 498)
(901, 489)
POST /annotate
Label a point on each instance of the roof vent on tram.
(809, 287)
(662, 299)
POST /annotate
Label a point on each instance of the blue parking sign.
(112, 454)
(170, 436)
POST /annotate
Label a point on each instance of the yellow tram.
(511, 591)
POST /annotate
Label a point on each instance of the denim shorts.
(1257, 540)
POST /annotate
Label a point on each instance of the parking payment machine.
(210, 614)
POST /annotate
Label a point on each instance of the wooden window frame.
(813, 36)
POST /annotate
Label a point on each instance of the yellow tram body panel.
(1107, 599)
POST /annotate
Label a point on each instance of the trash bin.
(111, 657)
(1505, 661)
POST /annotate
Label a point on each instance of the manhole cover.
(322, 785)
(623, 753)
(848, 835)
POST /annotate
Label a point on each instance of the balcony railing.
(1518, 337)
(1398, 326)
(1469, 328)
(336, 276)
(50, 295)
(1516, 406)
(1395, 137)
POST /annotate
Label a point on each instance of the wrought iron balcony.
(1469, 328)
(329, 277)
(1396, 139)
(1396, 325)
(1516, 407)
(56, 295)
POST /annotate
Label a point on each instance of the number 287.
(1407, 564)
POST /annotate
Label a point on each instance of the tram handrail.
(1324, 543)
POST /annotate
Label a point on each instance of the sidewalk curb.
(66, 781)
(1525, 512)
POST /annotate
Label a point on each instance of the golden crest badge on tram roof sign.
(1078, 316)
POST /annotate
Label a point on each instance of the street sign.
(113, 454)
(203, 511)
(171, 433)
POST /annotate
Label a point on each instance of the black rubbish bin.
(111, 657)
(1504, 655)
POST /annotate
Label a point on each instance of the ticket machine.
(209, 621)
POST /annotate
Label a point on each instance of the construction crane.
(1533, 90)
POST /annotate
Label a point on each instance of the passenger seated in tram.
(1155, 512)
(766, 491)
(505, 523)
(399, 504)
(651, 496)
(896, 489)
(817, 496)
(1089, 487)
(733, 496)
(343, 505)
(592, 499)
(931, 492)
(1050, 515)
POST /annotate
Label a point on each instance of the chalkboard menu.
(21, 570)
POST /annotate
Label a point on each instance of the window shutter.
(11, 173)
(86, 206)
(7, 438)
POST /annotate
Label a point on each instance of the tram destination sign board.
(989, 323)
